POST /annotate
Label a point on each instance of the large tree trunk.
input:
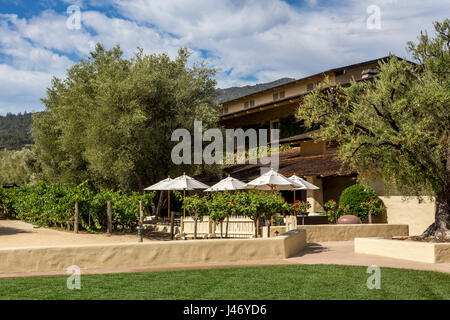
(441, 226)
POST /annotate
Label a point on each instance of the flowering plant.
(299, 207)
(371, 207)
(332, 209)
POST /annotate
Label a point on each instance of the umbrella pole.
(184, 203)
(168, 203)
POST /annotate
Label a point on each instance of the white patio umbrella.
(273, 180)
(184, 183)
(305, 184)
(161, 186)
(227, 184)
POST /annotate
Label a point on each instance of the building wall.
(297, 88)
(399, 210)
(333, 186)
(419, 215)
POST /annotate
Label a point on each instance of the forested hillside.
(15, 128)
(15, 131)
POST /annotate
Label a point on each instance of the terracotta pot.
(349, 219)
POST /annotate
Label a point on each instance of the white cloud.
(248, 41)
(21, 89)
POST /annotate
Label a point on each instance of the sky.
(247, 41)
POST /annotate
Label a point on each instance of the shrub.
(353, 196)
(53, 204)
(333, 211)
(299, 207)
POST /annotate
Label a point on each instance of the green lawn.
(268, 282)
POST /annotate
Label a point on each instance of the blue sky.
(247, 41)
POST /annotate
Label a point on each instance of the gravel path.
(15, 233)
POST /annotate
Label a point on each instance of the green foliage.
(17, 167)
(111, 119)
(396, 127)
(277, 220)
(197, 206)
(332, 210)
(220, 206)
(15, 131)
(354, 195)
(53, 204)
(259, 204)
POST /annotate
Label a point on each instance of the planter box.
(344, 232)
(113, 256)
(404, 249)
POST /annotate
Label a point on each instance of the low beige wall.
(158, 253)
(417, 215)
(341, 232)
(404, 249)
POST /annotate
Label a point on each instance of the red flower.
(370, 198)
(233, 202)
(307, 201)
(297, 201)
(297, 207)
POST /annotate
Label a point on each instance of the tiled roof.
(292, 162)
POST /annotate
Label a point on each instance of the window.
(275, 96)
(246, 104)
(252, 103)
(281, 94)
(225, 109)
(310, 86)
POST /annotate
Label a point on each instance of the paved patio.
(20, 234)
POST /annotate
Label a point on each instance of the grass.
(267, 282)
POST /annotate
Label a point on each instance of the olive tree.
(397, 126)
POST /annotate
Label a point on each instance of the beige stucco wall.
(315, 197)
(417, 215)
(158, 253)
(335, 232)
(408, 250)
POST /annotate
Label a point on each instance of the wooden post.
(370, 216)
(141, 217)
(168, 203)
(109, 213)
(184, 201)
(172, 224)
(75, 226)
